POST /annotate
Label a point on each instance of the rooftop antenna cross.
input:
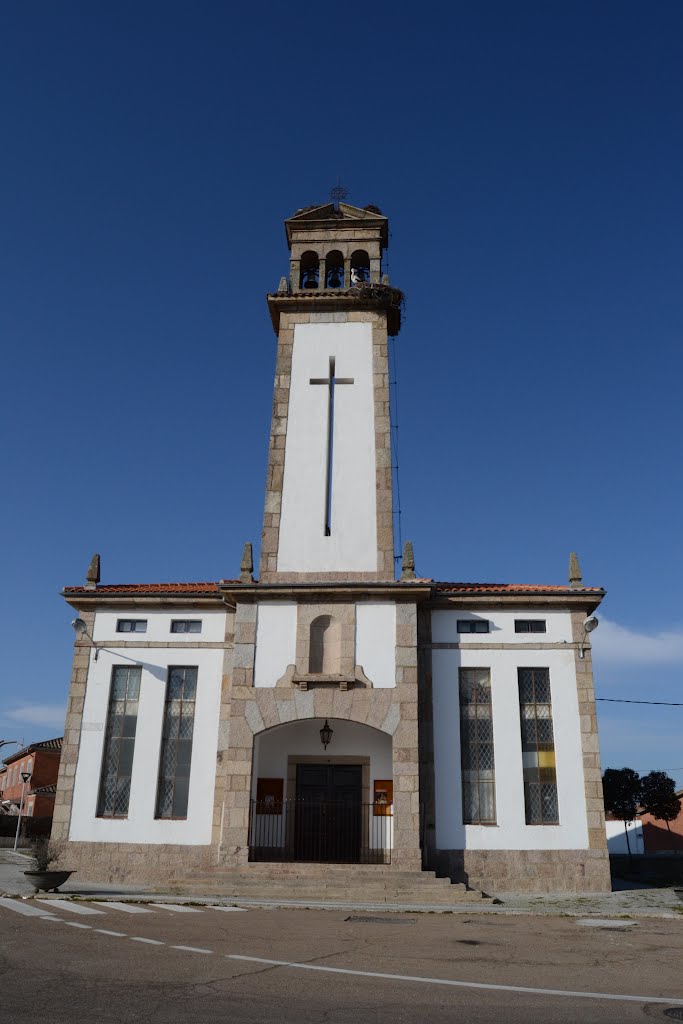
(338, 193)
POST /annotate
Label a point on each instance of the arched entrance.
(312, 803)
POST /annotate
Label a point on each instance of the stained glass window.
(538, 747)
(176, 742)
(476, 747)
(119, 742)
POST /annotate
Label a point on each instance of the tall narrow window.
(176, 742)
(538, 747)
(476, 747)
(119, 742)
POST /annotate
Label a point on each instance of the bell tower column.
(328, 510)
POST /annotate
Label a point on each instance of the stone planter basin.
(48, 881)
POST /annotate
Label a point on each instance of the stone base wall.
(135, 863)
(526, 870)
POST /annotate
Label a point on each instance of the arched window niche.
(310, 270)
(360, 267)
(334, 266)
(325, 646)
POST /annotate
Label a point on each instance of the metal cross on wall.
(331, 381)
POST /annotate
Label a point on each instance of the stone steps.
(338, 883)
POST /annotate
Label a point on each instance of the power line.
(661, 703)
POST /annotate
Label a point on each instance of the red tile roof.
(149, 588)
(212, 588)
(512, 588)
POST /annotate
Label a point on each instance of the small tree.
(658, 798)
(621, 793)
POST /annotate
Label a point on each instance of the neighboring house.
(616, 835)
(647, 834)
(42, 761)
(659, 838)
(329, 711)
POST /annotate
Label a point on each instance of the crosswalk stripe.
(178, 908)
(226, 908)
(127, 908)
(27, 909)
(74, 908)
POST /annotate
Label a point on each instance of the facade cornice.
(369, 297)
(329, 590)
(93, 599)
(586, 600)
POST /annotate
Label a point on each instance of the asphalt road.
(301, 967)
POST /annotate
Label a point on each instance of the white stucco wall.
(376, 641)
(159, 625)
(352, 545)
(501, 627)
(616, 837)
(141, 826)
(511, 831)
(275, 641)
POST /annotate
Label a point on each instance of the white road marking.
(460, 984)
(27, 909)
(73, 908)
(127, 908)
(178, 908)
(243, 909)
(77, 924)
(105, 931)
(151, 942)
(192, 949)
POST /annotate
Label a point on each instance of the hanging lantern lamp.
(326, 734)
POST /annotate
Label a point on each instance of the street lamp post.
(25, 776)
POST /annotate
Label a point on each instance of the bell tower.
(328, 509)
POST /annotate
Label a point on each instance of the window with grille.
(131, 626)
(186, 626)
(476, 747)
(538, 747)
(529, 625)
(119, 742)
(176, 742)
(473, 625)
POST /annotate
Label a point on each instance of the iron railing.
(326, 832)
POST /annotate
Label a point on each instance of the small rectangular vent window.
(186, 626)
(529, 625)
(131, 626)
(473, 625)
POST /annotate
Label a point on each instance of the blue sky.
(529, 158)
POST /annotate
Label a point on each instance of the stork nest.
(392, 297)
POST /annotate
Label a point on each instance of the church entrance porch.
(329, 809)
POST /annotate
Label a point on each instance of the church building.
(401, 731)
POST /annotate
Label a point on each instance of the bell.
(311, 278)
(334, 278)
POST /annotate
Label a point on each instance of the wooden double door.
(328, 820)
